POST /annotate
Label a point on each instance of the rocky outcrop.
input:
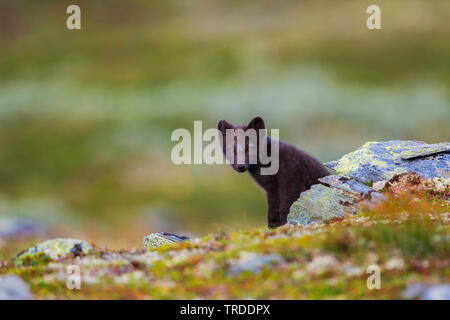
(372, 164)
(376, 161)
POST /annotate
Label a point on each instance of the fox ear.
(223, 126)
(257, 124)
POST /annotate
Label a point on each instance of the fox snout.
(240, 167)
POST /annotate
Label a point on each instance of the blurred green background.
(86, 116)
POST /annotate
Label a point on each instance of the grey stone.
(379, 185)
(346, 184)
(372, 200)
(13, 287)
(437, 292)
(377, 198)
(376, 161)
(255, 264)
(425, 150)
(13, 227)
(414, 291)
(320, 204)
(156, 240)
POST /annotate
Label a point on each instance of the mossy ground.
(407, 237)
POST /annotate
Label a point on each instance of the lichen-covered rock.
(346, 184)
(13, 227)
(156, 240)
(424, 150)
(53, 249)
(376, 161)
(320, 204)
(13, 287)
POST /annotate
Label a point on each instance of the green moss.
(369, 183)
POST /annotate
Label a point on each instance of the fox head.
(241, 143)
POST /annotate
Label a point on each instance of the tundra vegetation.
(406, 236)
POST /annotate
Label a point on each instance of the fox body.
(297, 170)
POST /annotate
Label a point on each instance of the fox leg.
(285, 206)
(273, 215)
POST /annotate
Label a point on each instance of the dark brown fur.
(298, 171)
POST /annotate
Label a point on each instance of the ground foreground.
(406, 237)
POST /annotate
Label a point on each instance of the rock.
(377, 198)
(322, 264)
(320, 204)
(341, 182)
(424, 150)
(379, 185)
(414, 291)
(254, 263)
(424, 292)
(374, 199)
(373, 163)
(53, 250)
(437, 292)
(13, 227)
(352, 271)
(13, 287)
(377, 161)
(156, 240)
